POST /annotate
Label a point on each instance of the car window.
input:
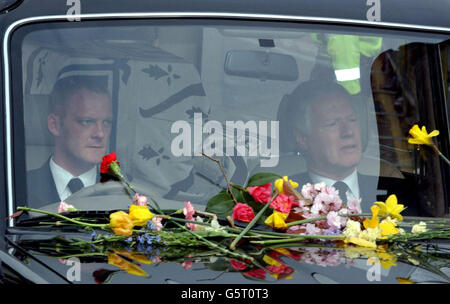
(315, 103)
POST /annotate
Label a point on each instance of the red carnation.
(238, 265)
(107, 161)
(261, 194)
(258, 273)
(243, 212)
(282, 203)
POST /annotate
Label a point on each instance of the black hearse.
(177, 72)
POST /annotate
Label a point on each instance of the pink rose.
(243, 212)
(64, 207)
(282, 203)
(261, 194)
(140, 200)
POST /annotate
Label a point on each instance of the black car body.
(406, 80)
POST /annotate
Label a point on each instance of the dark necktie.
(75, 185)
(343, 188)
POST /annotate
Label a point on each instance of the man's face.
(334, 142)
(85, 128)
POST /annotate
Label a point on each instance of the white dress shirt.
(62, 178)
(351, 181)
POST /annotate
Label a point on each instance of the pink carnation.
(308, 191)
(330, 202)
(318, 207)
(354, 206)
(187, 264)
(344, 219)
(64, 207)
(293, 229)
(188, 211)
(282, 203)
(312, 229)
(320, 187)
(191, 226)
(140, 200)
(334, 220)
(156, 221)
(261, 194)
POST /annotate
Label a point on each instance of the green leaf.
(242, 196)
(221, 204)
(220, 265)
(262, 178)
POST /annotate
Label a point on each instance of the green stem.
(445, 159)
(237, 186)
(323, 218)
(102, 226)
(435, 148)
(253, 222)
(209, 243)
(303, 237)
(215, 245)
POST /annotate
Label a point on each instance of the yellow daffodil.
(277, 219)
(404, 281)
(391, 207)
(140, 215)
(121, 223)
(387, 260)
(283, 251)
(278, 184)
(116, 260)
(421, 137)
(270, 261)
(134, 256)
(419, 228)
(279, 276)
(374, 221)
(362, 242)
(387, 228)
(354, 252)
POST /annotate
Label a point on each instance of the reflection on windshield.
(318, 107)
(274, 263)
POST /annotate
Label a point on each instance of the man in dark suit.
(328, 132)
(80, 121)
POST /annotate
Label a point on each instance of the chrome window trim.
(165, 15)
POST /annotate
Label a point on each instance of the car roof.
(413, 12)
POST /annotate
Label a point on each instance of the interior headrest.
(36, 108)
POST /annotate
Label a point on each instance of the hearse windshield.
(173, 99)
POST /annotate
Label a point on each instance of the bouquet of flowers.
(251, 225)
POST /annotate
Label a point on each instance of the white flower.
(352, 229)
(419, 228)
(370, 234)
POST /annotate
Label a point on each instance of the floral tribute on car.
(250, 229)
